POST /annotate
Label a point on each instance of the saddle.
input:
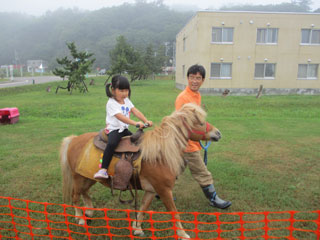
(127, 144)
(125, 163)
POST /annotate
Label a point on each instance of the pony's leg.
(146, 201)
(86, 197)
(76, 194)
(162, 181)
(81, 186)
(167, 198)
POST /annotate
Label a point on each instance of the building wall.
(244, 52)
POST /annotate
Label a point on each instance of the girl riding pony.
(119, 107)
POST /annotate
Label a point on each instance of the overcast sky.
(39, 7)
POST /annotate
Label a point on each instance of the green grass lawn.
(267, 160)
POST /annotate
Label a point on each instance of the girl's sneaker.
(101, 174)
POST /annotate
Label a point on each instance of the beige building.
(243, 50)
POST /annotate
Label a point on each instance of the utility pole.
(173, 54)
(167, 47)
(17, 61)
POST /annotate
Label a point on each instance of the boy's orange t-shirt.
(188, 96)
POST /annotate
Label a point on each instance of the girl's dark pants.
(114, 138)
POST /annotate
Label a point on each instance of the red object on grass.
(9, 115)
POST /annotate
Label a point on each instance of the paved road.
(20, 81)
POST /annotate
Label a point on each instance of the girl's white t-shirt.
(113, 108)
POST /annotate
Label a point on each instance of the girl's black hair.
(118, 81)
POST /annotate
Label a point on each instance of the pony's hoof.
(186, 236)
(139, 233)
(82, 222)
(89, 221)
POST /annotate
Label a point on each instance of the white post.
(41, 68)
(7, 70)
(11, 72)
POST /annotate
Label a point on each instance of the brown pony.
(162, 161)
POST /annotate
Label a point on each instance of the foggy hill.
(24, 37)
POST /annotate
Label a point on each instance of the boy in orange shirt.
(196, 75)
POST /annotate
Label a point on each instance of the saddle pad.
(89, 162)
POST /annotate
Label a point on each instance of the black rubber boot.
(210, 192)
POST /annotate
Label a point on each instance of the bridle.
(192, 131)
(202, 133)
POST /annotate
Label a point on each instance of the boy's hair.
(194, 69)
(118, 81)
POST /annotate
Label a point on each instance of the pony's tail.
(65, 170)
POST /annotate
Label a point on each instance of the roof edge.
(260, 12)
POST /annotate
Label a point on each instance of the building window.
(221, 70)
(184, 44)
(308, 71)
(310, 36)
(267, 35)
(265, 70)
(222, 35)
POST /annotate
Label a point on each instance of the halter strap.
(201, 133)
(190, 130)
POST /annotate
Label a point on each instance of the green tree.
(121, 56)
(137, 69)
(155, 59)
(149, 60)
(161, 59)
(124, 58)
(303, 4)
(138, 63)
(74, 69)
(146, 62)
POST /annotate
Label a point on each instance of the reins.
(201, 133)
(205, 157)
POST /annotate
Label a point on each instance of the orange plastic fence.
(25, 219)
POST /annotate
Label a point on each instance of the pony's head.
(165, 143)
(194, 119)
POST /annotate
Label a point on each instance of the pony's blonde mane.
(165, 143)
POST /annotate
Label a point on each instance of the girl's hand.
(149, 123)
(140, 124)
